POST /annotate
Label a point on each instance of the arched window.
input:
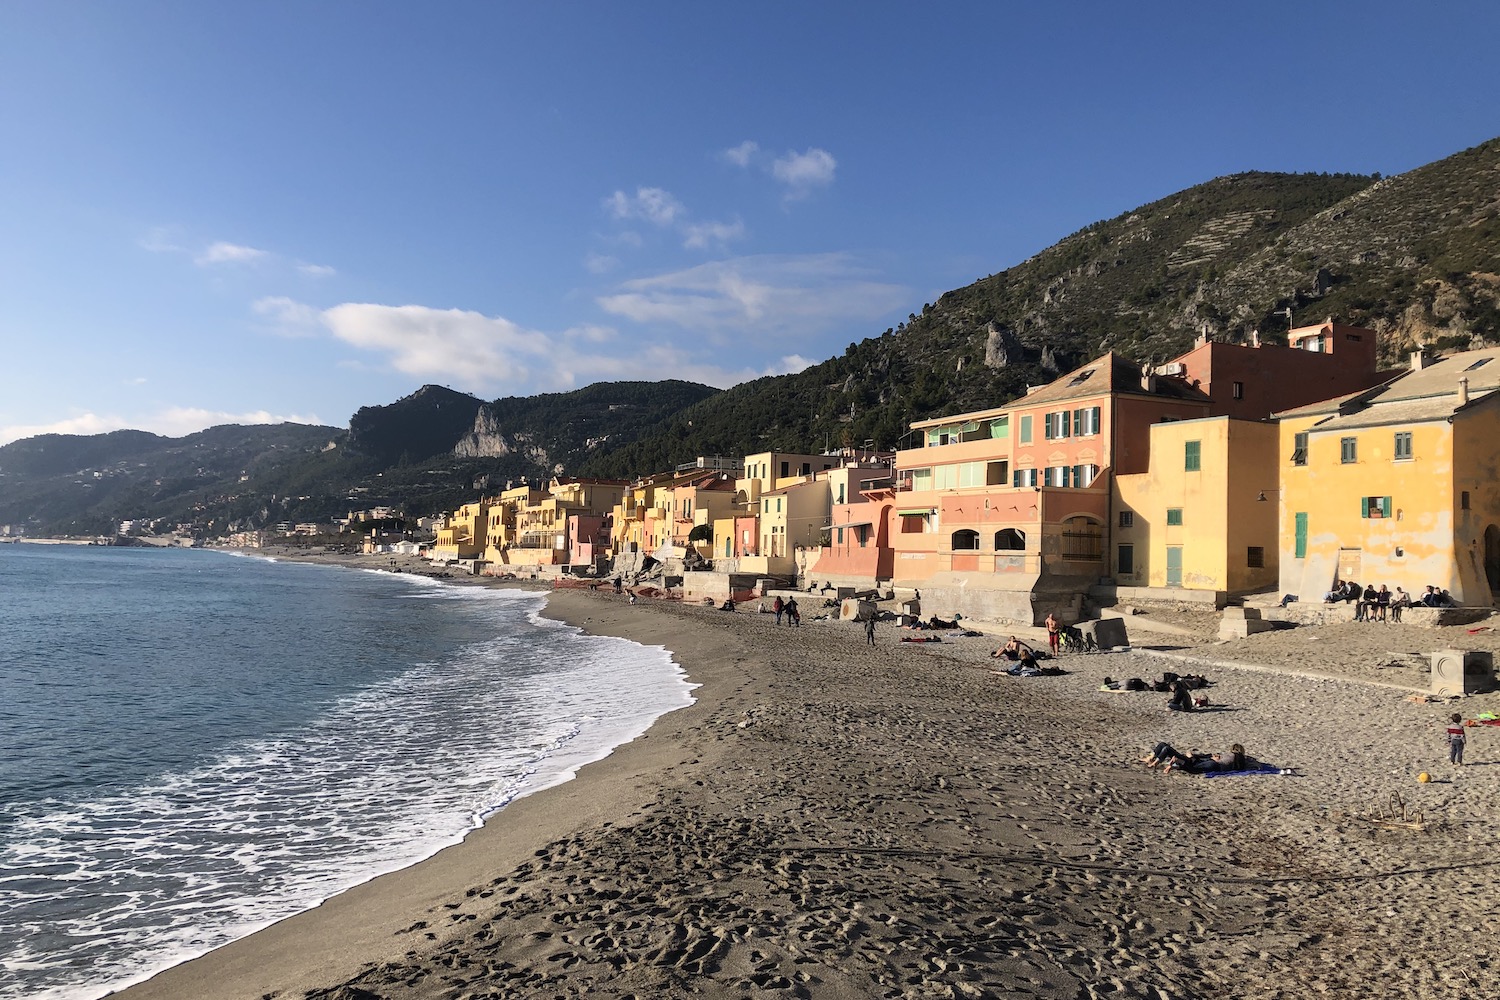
(1010, 540)
(966, 540)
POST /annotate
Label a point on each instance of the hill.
(427, 452)
(1416, 256)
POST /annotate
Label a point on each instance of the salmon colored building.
(1003, 513)
(1251, 382)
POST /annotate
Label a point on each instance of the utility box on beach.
(1460, 671)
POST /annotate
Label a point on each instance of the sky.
(258, 212)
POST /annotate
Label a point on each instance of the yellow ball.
(1424, 777)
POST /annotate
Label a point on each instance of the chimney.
(1463, 391)
(1255, 338)
(1418, 360)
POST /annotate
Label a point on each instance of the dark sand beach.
(832, 819)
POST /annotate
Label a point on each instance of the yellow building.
(1398, 485)
(1201, 516)
(463, 535)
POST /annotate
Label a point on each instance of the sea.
(196, 744)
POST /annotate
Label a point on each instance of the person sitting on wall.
(1336, 594)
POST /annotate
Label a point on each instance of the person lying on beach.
(1193, 762)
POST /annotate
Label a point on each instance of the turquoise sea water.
(193, 744)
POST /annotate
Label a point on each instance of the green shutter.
(1077, 423)
(1300, 519)
(1192, 456)
(1385, 506)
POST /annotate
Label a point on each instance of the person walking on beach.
(1054, 632)
(1455, 733)
(793, 616)
(870, 630)
(778, 606)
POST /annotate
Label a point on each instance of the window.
(862, 535)
(1239, 390)
(1463, 500)
(1255, 557)
(1403, 446)
(841, 494)
(1193, 456)
(1083, 475)
(838, 534)
(1375, 507)
(1026, 429)
(1058, 475)
(966, 540)
(1057, 425)
(785, 469)
(1125, 560)
(1086, 421)
(1010, 540)
(913, 524)
(1174, 515)
(1025, 477)
(1348, 454)
(1127, 518)
(1299, 449)
(1478, 364)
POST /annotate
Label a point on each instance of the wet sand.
(837, 820)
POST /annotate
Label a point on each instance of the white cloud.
(598, 263)
(652, 204)
(138, 380)
(171, 422)
(741, 155)
(161, 239)
(699, 235)
(801, 172)
(454, 346)
(289, 317)
(491, 356)
(230, 253)
(316, 270)
(775, 296)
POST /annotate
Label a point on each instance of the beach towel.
(1257, 770)
(920, 638)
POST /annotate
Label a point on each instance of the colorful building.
(1199, 517)
(1398, 485)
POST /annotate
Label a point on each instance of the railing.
(1083, 545)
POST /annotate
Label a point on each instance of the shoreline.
(300, 952)
(828, 819)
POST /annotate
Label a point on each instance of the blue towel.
(1258, 769)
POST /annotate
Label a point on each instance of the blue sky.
(248, 212)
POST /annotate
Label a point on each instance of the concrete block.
(1241, 628)
(1106, 632)
(854, 610)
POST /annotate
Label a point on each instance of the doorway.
(1174, 565)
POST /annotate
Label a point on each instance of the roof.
(1111, 373)
(1431, 393)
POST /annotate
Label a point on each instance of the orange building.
(1251, 382)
